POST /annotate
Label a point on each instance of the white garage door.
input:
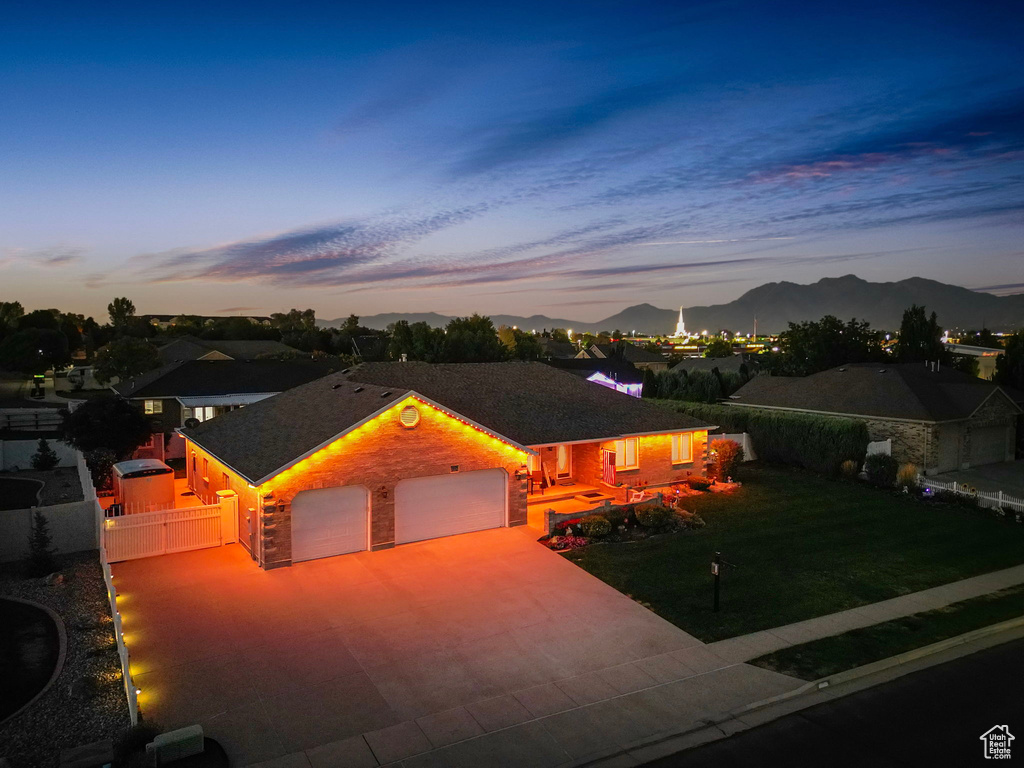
(443, 505)
(988, 445)
(328, 521)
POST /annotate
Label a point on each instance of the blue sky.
(562, 158)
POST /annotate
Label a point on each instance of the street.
(934, 717)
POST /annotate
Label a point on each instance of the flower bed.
(626, 523)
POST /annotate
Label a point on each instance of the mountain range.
(775, 305)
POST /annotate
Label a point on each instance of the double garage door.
(335, 521)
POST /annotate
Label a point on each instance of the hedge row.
(819, 443)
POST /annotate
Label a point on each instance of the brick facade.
(654, 459)
(378, 456)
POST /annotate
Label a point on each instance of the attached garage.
(329, 521)
(444, 505)
(988, 445)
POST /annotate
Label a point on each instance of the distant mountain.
(379, 322)
(882, 304)
(775, 305)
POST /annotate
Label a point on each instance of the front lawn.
(803, 546)
(830, 655)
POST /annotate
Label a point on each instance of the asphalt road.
(932, 718)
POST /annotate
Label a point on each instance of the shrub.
(653, 515)
(595, 526)
(45, 457)
(849, 468)
(727, 457)
(568, 542)
(881, 469)
(687, 519)
(818, 443)
(101, 466)
(906, 476)
(698, 483)
(40, 550)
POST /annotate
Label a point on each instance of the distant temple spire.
(680, 326)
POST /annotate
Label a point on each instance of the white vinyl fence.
(989, 499)
(880, 446)
(130, 691)
(146, 534)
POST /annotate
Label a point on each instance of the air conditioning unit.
(175, 745)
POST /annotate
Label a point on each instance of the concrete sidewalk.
(589, 717)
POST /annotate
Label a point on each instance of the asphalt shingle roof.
(192, 348)
(529, 403)
(901, 391)
(194, 378)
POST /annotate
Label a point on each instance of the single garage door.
(443, 505)
(328, 521)
(988, 445)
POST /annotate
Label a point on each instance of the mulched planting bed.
(87, 702)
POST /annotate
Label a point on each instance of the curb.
(669, 743)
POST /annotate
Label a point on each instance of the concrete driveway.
(373, 657)
(1007, 477)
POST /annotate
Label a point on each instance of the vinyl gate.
(146, 534)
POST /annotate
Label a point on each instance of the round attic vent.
(409, 416)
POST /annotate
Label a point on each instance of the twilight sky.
(563, 158)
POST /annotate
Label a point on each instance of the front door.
(564, 465)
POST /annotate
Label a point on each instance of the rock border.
(62, 636)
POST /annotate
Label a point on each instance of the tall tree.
(718, 348)
(125, 358)
(920, 337)
(1010, 364)
(818, 345)
(10, 313)
(110, 423)
(121, 311)
(472, 340)
(32, 350)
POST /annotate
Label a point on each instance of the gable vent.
(409, 417)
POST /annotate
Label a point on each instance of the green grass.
(831, 655)
(804, 546)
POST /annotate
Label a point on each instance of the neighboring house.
(937, 418)
(391, 453)
(732, 364)
(614, 373)
(192, 348)
(202, 389)
(550, 349)
(631, 353)
(168, 321)
(986, 357)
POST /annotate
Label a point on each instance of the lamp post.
(716, 571)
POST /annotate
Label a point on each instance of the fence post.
(1000, 499)
(228, 501)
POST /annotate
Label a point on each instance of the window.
(682, 448)
(225, 481)
(154, 406)
(203, 412)
(626, 454)
(206, 470)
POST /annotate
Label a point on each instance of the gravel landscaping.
(87, 702)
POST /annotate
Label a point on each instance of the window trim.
(153, 407)
(677, 445)
(621, 455)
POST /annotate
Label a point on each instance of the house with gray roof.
(192, 348)
(631, 353)
(390, 453)
(938, 419)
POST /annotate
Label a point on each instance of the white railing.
(989, 499)
(122, 650)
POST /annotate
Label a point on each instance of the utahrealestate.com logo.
(997, 742)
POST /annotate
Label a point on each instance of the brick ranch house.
(391, 453)
(938, 418)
